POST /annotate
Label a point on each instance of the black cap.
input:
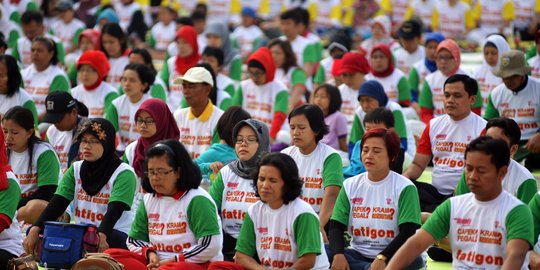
(57, 104)
(410, 29)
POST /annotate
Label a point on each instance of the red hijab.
(166, 128)
(264, 56)
(189, 35)
(4, 166)
(386, 51)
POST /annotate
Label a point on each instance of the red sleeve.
(279, 119)
(478, 111)
(424, 145)
(405, 103)
(5, 222)
(426, 114)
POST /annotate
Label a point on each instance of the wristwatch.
(381, 257)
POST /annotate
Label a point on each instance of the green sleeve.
(75, 40)
(183, 103)
(320, 75)
(333, 171)
(216, 190)
(519, 224)
(246, 239)
(202, 217)
(399, 124)
(59, 83)
(234, 42)
(307, 234)
(258, 43)
(310, 54)
(534, 206)
(125, 159)
(120, 90)
(66, 187)
(319, 50)
(32, 6)
(462, 187)
(342, 208)
(157, 91)
(238, 97)
(215, 136)
(414, 79)
(527, 190)
(230, 90)
(60, 51)
(15, 17)
(108, 100)
(111, 114)
(357, 130)
(225, 104)
(531, 52)
(124, 188)
(298, 76)
(426, 97)
(404, 90)
(12, 39)
(9, 198)
(15, 50)
(438, 224)
(139, 227)
(478, 103)
(490, 112)
(150, 40)
(72, 74)
(235, 70)
(165, 73)
(281, 104)
(409, 206)
(48, 168)
(30, 105)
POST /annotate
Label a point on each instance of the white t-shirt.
(11, 238)
(163, 35)
(534, 63)
(424, 9)
(176, 93)
(405, 60)
(435, 82)
(117, 70)
(298, 45)
(491, 18)
(218, 11)
(246, 36)
(259, 100)
(487, 82)
(66, 32)
(452, 18)
(127, 130)
(422, 71)
(37, 84)
(525, 12)
(95, 99)
(61, 141)
(19, 98)
(125, 13)
(350, 103)
(390, 83)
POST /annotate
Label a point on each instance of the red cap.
(353, 62)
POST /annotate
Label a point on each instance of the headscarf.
(188, 34)
(98, 61)
(166, 128)
(4, 165)
(246, 168)
(501, 45)
(220, 30)
(94, 36)
(109, 15)
(437, 37)
(353, 62)
(374, 89)
(96, 174)
(386, 51)
(385, 23)
(264, 57)
(453, 48)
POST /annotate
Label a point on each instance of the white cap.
(196, 75)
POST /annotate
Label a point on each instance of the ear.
(513, 149)
(472, 99)
(502, 173)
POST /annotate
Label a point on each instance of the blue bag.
(62, 244)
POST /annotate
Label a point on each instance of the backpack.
(97, 261)
(63, 244)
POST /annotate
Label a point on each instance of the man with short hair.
(290, 24)
(518, 97)
(444, 140)
(488, 228)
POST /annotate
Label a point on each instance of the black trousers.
(4, 258)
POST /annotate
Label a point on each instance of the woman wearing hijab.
(217, 35)
(431, 100)
(381, 28)
(96, 94)
(393, 80)
(232, 190)
(10, 194)
(100, 185)
(89, 39)
(494, 47)
(188, 56)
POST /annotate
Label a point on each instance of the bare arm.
(411, 249)
(516, 250)
(327, 206)
(305, 262)
(418, 165)
(247, 261)
(343, 144)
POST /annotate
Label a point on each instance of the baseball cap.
(57, 104)
(512, 63)
(64, 5)
(196, 75)
(248, 11)
(409, 30)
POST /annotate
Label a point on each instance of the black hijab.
(95, 175)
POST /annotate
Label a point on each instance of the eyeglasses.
(158, 172)
(90, 142)
(147, 121)
(247, 140)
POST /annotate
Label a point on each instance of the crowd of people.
(293, 134)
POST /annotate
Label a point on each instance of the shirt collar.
(175, 196)
(205, 116)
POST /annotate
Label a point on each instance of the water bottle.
(91, 240)
(205, 182)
